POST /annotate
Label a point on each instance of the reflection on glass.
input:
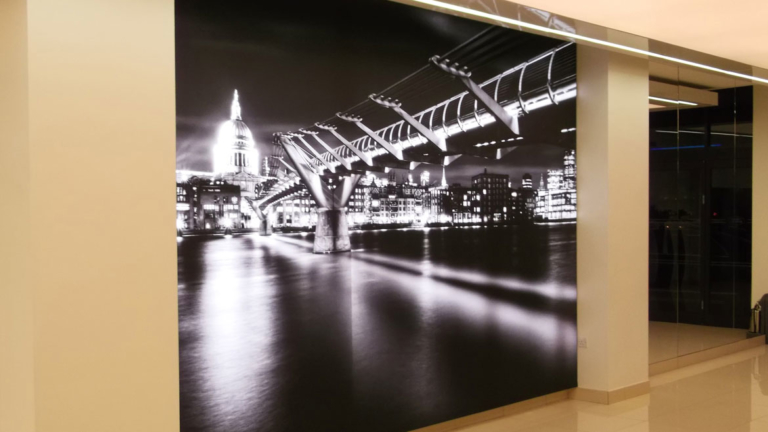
(700, 213)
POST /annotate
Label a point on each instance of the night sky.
(298, 62)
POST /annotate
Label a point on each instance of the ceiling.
(735, 30)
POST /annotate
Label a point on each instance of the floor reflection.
(728, 394)
(671, 340)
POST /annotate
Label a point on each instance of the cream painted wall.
(92, 193)
(612, 230)
(760, 194)
(16, 296)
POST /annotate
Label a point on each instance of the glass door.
(699, 211)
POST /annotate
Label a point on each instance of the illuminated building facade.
(203, 206)
(557, 202)
(526, 205)
(373, 202)
(185, 208)
(488, 199)
(465, 204)
(493, 198)
(297, 211)
(524, 200)
(569, 171)
(400, 203)
(440, 205)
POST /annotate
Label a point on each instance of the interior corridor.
(728, 394)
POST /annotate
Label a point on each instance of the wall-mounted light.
(494, 17)
(676, 102)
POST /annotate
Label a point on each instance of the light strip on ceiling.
(703, 133)
(494, 17)
(676, 102)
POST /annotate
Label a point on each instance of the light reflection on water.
(412, 328)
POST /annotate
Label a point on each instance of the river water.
(413, 327)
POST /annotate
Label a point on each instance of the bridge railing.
(543, 80)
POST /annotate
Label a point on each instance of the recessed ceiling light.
(676, 102)
(543, 29)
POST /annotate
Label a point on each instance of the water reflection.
(412, 328)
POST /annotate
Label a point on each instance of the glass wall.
(700, 211)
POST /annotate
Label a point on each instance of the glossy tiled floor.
(729, 394)
(670, 340)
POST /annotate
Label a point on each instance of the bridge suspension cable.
(544, 79)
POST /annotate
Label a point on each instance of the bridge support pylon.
(332, 232)
(265, 226)
(332, 229)
(265, 218)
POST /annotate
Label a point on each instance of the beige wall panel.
(16, 295)
(102, 140)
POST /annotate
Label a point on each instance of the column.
(612, 231)
(760, 193)
(17, 410)
(88, 290)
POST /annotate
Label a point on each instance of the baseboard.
(702, 356)
(504, 411)
(607, 397)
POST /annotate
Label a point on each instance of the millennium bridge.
(445, 110)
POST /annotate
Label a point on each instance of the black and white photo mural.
(376, 209)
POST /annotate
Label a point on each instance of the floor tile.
(728, 394)
(588, 422)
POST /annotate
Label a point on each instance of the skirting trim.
(702, 356)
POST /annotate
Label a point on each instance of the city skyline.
(236, 168)
(539, 158)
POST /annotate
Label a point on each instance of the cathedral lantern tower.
(235, 149)
(235, 158)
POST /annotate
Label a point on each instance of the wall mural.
(376, 212)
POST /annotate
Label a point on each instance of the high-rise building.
(555, 179)
(558, 201)
(524, 201)
(493, 196)
(569, 171)
(527, 181)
